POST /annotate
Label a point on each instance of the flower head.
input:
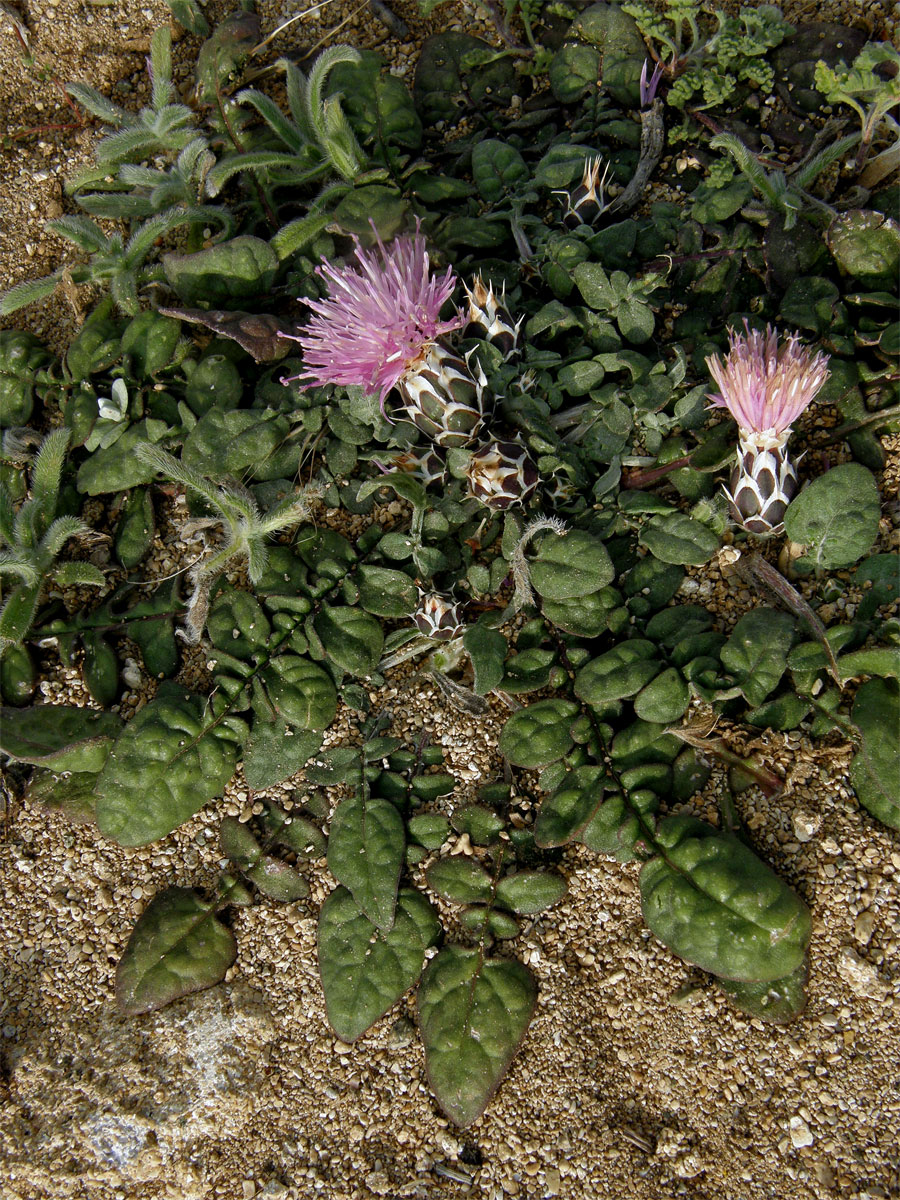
(379, 319)
(586, 202)
(648, 87)
(765, 386)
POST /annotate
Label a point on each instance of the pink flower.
(765, 386)
(648, 86)
(379, 320)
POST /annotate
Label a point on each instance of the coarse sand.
(637, 1079)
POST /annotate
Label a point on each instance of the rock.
(800, 1133)
(192, 1064)
(806, 825)
(864, 927)
(860, 976)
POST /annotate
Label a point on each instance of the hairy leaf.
(473, 1014)
(178, 946)
(365, 970)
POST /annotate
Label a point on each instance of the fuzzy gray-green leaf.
(177, 947)
(365, 970)
(473, 1014)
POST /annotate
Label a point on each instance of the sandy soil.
(636, 1079)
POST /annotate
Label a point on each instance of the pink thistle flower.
(380, 319)
(765, 386)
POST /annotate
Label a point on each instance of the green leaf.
(528, 892)
(473, 1014)
(487, 650)
(571, 566)
(585, 616)
(71, 795)
(352, 638)
(835, 518)
(566, 813)
(429, 830)
(365, 854)
(302, 693)
(177, 947)
(875, 770)
(756, 653)
(480, 822)
(135, 529)
(232, 442)
(677, 538)
(713, 902)
(664, 699)
(779, 1001)
(878, 660)
(364, 971)
(539, 734)
(118, 468)
(274, 878)
(233, 270)
(459, 879)
(385, 592)
(238, 624)
(171, 759)
(866, 245)
(276, 751)
(618, 674)
(58, 737)
(496, 168)
(100, 668)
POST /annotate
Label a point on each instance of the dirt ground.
(636, 1078)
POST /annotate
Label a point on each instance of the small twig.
(884, 414)
(770, 783)
(755, 569)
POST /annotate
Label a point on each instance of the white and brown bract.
(438, 617)
(444, 398)
(586, 202)
(765, 386)
(489, 319)
(502, 474)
